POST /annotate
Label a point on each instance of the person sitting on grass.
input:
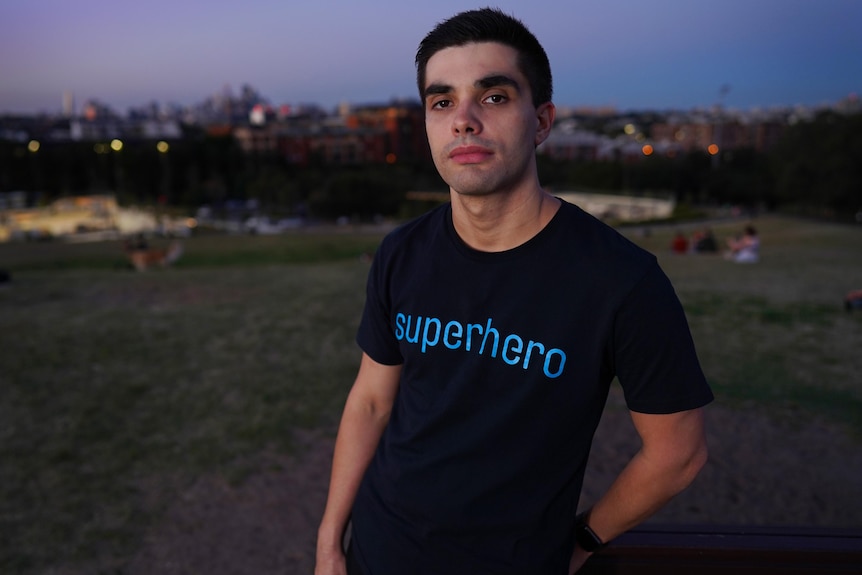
(853, 300)
(679, 244)
(704, 242)
(746, 248)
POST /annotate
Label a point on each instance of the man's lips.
(469, 154)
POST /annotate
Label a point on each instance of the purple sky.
(624, 53)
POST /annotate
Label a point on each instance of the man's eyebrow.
(487, 82)
(436, 89)
(497, 80)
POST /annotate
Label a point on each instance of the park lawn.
(776, 334)
(118, 389)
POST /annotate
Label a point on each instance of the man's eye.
(441, 104)
(496, 99)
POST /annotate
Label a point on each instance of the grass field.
(118, 388)
(775, 333)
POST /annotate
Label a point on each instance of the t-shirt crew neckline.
(526, 248)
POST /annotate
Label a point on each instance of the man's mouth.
(469, 154)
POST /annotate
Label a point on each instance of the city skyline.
(668, 54)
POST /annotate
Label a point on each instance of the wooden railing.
(708, 550)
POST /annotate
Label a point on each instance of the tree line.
(814, 169)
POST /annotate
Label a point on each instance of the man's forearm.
(669, 460)
(639, 491)
(358, 435)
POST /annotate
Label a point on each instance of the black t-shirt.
(507, 360)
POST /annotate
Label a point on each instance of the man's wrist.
(585, 537)
(330, 539)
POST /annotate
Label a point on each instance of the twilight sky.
(629, 54)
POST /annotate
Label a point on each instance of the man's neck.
(499, 222)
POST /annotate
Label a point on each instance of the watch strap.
(586, 538)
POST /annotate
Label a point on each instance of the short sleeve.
(654, 353)
(375, 335)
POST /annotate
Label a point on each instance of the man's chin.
(477, 186)
(472, 191)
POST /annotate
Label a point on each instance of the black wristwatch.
(585, 536)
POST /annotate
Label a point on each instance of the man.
(492, 329)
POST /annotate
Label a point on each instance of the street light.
(713, 151)
(33, 146)
(117, 146)
(165, 172)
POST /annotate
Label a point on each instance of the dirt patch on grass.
(761, 471)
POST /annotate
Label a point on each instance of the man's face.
(482, 127)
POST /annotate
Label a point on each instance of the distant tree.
(742, 177)
(596, 175)
(816, 164)
(275, 190)
(690, 185)
(362, 192)
(654, 173)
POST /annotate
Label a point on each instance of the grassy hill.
(118, 388)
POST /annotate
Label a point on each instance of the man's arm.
(673, 452)
(366, 414)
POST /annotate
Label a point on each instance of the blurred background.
(290, 112)
(191, 192)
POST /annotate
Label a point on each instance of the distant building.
(688, 136)
(68, 104)
(364, 135)
(726, 133)
(571, 144)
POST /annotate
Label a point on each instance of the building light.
(34, 146)
(647, 150)
(712, 149)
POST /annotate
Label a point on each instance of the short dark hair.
(490, 25)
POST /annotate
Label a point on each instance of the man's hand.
(579, 557)
(330, 563)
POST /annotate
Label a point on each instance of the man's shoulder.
(597, 240)
(420, 229)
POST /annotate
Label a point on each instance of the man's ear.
(545, 114)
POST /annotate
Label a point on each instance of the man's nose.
(466, 119)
